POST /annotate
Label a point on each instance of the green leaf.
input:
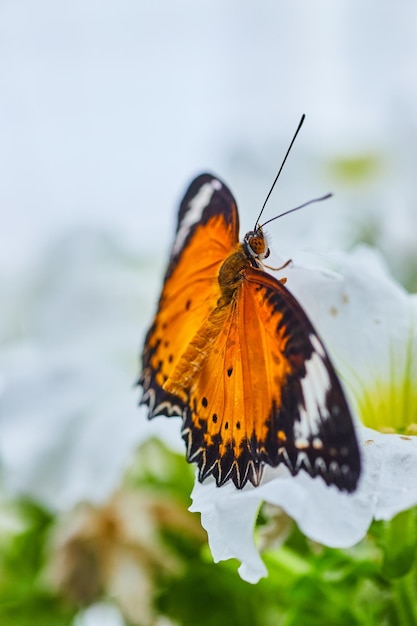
(24, 599)
(399, 542)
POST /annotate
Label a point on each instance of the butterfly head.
(255, 245)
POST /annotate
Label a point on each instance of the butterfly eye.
(256, 245)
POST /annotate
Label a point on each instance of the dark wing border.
(332, 451)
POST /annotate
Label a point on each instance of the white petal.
(229, 515)
(324, 514)
(394, 462)
(365, 318)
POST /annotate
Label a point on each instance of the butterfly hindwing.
(275, 399)
(207, 228)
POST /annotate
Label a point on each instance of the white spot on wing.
(318, 347)
(195, 212)
(315, 386)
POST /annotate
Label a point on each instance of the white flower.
(367, 322)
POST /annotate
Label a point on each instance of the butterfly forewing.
(207, 229)
(234, 354)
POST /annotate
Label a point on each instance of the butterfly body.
(234, 355)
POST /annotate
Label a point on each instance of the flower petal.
(324, 514)
(228, 515)
(394, 458)
(366, 320)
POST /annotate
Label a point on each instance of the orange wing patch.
(226, 422)
(233, 353)
(206, 231)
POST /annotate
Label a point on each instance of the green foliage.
(157, 468)
(209, 595)
(307, 583)
(24, 598)
(398, 541)
(372, 584)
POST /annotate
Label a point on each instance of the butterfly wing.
(207, 229)
(267, 393)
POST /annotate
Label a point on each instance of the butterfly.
(233, 354)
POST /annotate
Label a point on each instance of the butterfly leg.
(277, 269)
(281, 267)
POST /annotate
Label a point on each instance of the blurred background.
(107, 110)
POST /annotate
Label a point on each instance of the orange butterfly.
(233, 353)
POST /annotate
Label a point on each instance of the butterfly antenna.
(328, 195)
(280, 169)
